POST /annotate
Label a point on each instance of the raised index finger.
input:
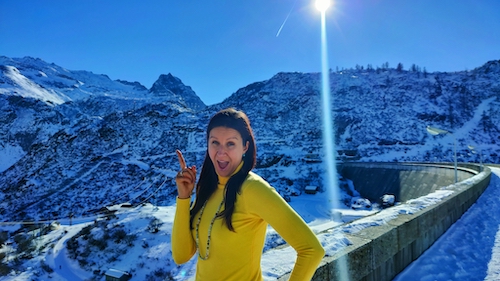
(182, 162)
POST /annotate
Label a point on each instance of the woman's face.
(225, 148)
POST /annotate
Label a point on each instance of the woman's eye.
(215, 143)
(230, 144)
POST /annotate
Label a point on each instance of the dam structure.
(380, 252)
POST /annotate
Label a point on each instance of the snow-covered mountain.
(74, 144)
(66, 134)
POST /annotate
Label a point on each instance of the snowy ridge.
(121, 133)
(110, 143)
(80, 85)
(26, 88)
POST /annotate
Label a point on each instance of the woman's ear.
(245, 149)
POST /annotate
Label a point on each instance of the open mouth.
(222, 164)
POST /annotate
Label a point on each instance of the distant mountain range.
(67, 134)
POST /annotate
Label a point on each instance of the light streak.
(286, 19)
(332, 186)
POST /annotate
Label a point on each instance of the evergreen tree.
(438, 89)
(399, 68)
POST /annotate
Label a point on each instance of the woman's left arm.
(263, 200)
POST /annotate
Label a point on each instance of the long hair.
(207, 184)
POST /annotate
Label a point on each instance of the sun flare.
(322, 5)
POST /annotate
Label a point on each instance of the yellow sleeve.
(183, 244)
(263, 200)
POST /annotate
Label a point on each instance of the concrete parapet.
(381, 252)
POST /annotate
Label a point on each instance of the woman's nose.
(221, 150)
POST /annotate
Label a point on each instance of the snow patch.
(27, 88)
(10, 155)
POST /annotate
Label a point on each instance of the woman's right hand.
(185, 178)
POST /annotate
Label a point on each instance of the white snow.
(10, 155)
(66, 269)
(27, 88)
(470, 254)
(469, 250)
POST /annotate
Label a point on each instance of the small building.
(312, 158)
(117, 275)
(311, 189)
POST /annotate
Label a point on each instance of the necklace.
(209, 230)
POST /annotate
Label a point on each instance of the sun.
(322, 5)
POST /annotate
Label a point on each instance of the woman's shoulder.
(254, 178)
(254, 182)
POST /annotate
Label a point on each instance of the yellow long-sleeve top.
(237, 255)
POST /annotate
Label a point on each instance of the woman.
(228, 220)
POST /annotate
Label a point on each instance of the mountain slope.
(93, 134)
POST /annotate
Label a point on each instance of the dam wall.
(379, 253)
(403, 180)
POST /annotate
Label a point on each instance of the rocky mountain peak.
(168, 84)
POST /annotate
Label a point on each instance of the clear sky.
(219, 46)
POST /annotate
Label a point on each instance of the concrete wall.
(404, 180)
(379, 253)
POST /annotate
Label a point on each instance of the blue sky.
(217, 46)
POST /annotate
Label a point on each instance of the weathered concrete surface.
(379, 253)
(404, 180)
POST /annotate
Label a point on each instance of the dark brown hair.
(207, 183)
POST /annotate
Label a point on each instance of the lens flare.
(322, 5)
(332, 185)
(328, 129)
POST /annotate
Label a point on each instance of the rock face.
(72, 142)
(169, 85)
